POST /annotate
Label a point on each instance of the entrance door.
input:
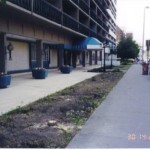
(20, 57)
(67, 57)
(33, 55)
(46, 56)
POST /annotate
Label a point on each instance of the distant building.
(129, 35)
(119, 33)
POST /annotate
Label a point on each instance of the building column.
(39, 53)
(96, 57)
(65, 55)
(69, 58)
(100, 55)
(101, 58)
(83, 58)
(60, 58)
(74, 60)
(90, 57)
(3, 56)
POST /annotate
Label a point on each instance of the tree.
(3, 2)
(127, 48)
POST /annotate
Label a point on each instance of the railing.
(100, 17)
(70, 22)
(99, 21)
(93, 33)
(76, 2)
(46, 10)
(84, 29)
(105, 27)
(26, 4)
(40, 7)
(99, 34)
(93, 15)
(100, 37)
(84, 6)
(98, 2)
(102, 7)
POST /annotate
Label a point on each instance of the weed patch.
(53, 121)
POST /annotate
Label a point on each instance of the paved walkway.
(24, 89)
(123, 119)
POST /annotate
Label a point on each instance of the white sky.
(130, 18)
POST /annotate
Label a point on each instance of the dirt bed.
(53, 121)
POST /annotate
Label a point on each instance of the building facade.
(129, 35)
(119, 34)
(49, 33)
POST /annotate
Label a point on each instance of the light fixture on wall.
(10, 49)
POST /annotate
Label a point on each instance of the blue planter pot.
(66, 69)
(39, 73)
(5, 81)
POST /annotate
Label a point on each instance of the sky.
(130, 14)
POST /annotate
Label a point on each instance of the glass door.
(33, 55)
(46, 56)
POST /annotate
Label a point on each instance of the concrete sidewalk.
(24, 89)
(123, 119)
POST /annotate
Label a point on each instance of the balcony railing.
(46, 10)
(100, 37)
(76, 2)
(105, 27)
(70, 22)
(84, 6)
(93, 33)
(99, 21)
(84, 29)
(40, 7)
(26, 4)
(102, 24)
(93, 15)
(99, 3)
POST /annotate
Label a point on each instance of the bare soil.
(53, 121)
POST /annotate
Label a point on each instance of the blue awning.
(89, 43)
(86, 44)
(67, 46)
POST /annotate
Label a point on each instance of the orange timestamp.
(134, 137)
